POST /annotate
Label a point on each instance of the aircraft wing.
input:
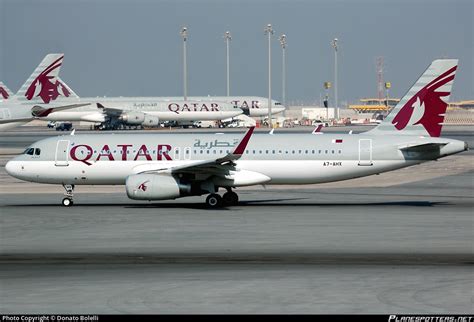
(39, 111)
(111, 111)
(6, 121)
(219, 165)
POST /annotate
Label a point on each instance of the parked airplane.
(115, 112)
(170, 166)
(37, 98)
(5, 93)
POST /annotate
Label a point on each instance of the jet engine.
(147, 186)
(139, 118)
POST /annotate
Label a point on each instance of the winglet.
(317, 130)
(239, 150)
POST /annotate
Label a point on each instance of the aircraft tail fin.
(5, 93)
(43, 85)
(422, 109)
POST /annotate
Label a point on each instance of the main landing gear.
(67, 200)
(229, 198)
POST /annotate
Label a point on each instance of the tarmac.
(371, 245)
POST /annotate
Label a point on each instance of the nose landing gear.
(67, 200)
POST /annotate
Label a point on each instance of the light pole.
(269, 31)
(327, 86)
(283, 67)
(334, 45)
(228, 38)
(387, 87)
(184, 34)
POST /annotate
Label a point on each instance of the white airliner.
(170, 166)
(116, 112)
(38, 97)
(44, 87)
(5, 92)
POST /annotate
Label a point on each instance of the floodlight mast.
(184, 34)
(269, 31)
(228, 38)
(282, 40)
(334, 45)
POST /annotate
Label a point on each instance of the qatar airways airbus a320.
(170, 166)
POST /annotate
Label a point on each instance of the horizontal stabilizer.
(415, 147)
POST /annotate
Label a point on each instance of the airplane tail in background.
(5, 93)
(421, 111)
(43, 85)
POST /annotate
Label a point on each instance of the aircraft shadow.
(253, 203)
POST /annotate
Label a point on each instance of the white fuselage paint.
(285, 159)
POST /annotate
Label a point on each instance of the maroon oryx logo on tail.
(427, 102)
(47, 87)
(3, 93)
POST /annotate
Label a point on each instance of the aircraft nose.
(12, 168)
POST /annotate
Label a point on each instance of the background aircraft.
(5, 92)
(38, 96)
(170, 166)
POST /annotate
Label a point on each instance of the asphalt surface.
(402, 249)
(365, 247)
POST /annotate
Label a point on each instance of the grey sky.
(133, 48)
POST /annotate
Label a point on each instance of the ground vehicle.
(199, 124)
(317, 122)
(65, 126)
(51, 124)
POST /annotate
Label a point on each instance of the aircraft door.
(365, 152)
(62, 150)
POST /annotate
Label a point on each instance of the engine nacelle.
(139, 118)
(155, 187)
(151, 120)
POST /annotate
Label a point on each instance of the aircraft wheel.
(230, 198)
(67, 202)
(214, 200)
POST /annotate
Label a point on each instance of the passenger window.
(37, 151)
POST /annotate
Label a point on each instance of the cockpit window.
(29, 151)
(37, 151)
(277, 103)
